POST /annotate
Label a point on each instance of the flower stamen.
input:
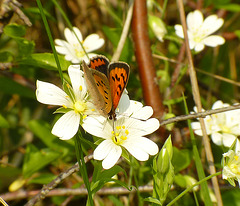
(120, 136)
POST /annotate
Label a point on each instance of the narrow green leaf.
(198, 162)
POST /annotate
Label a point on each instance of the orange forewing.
(118, 79)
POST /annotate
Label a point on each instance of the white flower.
(127, 132)
(231, 167)
(223, 127)
(200, 30)
(73, 50)
(74, 103)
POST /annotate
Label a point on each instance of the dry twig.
(196, 95)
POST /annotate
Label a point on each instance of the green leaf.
(237, 32)
(9, 86)
(100, 178)
(46, 61)
(25, 47)
(231, 197)
(42, 130)
(7, 175)
(181, 159)
(43, 179)
(114, 36)
(229, 7)
(14, 30)
(153, 200)
(37, 159)
(6, 57)
(3, 122)
(116, 201)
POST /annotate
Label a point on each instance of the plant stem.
(50, 38)
(82, 166)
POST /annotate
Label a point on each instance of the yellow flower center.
(234, 165)
(78, 50)
(226, 129)
(119, 135)
(80, 106)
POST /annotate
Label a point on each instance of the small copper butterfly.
(106, 82)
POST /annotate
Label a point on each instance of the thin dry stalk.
(124, 34)
(196, 95)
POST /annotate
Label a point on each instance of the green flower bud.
(157, 26)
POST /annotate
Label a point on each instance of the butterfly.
(106, 82)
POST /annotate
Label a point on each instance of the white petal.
(144, 113)
(63, 50)
(93, 42)
(94, 127)
(217, 138)
(48, 93)
(179, 30)
(228, 139)
(211, 24)
(142, 143)
(67, 126)
(77, 80)
(124, 105)
(112, 157)
(103, 150)
(141, 128)
(70, 36)
(217, 104)
(199, 47)
(196, 125)
(66, 49)
(194, 20)
(136, 151)
(87, 57)
(213, 40)
(78, 33)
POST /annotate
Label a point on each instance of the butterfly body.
(106, 83)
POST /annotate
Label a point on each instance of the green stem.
(50, 38)
(198, 163)
(82, 166)
(69, 25)
(190, 188)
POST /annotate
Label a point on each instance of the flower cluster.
(223, 127)
(200, 30)
(126, 130)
